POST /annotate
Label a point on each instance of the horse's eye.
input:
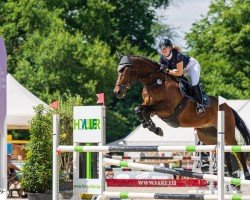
(122, 70)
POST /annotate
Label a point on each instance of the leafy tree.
(65, 112)
(113, 20)
(37, 170)
(221, 42)
(48, 60)
(58, 46)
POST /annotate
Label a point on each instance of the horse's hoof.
(145, 125)
(159, 131)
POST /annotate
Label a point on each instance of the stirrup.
(200, 110)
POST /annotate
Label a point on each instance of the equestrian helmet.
(165, 43)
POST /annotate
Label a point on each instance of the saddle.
(186, 90)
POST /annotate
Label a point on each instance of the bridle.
(126, 62)
(129, 82)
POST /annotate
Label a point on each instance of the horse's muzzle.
(120, 91)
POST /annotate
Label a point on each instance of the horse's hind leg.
(229, 159)
(230, 137)
(209, 137)
(228, 163)
(231, 140)
(242, 158)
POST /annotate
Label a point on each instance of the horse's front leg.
(138, 111)
(144, 116)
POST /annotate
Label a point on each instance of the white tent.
(242, 107)
(171, 136)
(20, 105)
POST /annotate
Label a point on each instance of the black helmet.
(165, 43)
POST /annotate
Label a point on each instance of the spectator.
(13, 177)
(11, 168)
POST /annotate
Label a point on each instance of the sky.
(182, 14)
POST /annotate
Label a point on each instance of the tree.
(50, 61)
(65, 111)
(59, 46)
(37, 170)
(221, 42)
(113, 20)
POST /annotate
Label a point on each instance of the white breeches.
(193, 69)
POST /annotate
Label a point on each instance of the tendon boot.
(200, 109)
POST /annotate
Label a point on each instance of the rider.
(175, 63)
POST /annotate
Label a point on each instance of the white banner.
(87, 186)
(88, 124)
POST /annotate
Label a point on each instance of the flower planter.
(66, 186)
(39, 196)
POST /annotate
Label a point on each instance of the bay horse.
(162, 97)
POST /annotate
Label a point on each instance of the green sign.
(87, 124)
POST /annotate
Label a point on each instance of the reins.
(129, 82)
(142, 80)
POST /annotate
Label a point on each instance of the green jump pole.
(88, 164)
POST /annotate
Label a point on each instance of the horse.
(162, 96)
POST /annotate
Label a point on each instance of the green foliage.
(58, 46)
(37, 169)
(65, 112)
(113, 20)
(221, 43)
(40, 44)
(19, 134)
(116, 126)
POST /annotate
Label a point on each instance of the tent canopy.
(20, 105)
(171, 136)
(242, 107)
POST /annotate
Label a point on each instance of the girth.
(173, 120)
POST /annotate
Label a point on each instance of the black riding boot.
(200, 110)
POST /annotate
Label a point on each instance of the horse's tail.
(242, 127)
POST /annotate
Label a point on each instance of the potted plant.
(65, 110)
(37, 170)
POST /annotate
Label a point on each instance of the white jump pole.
(55, 187)
(152, 168)
(132, 195)
(3, 124)
(220, 154)
(107, 149)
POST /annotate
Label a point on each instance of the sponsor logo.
(87, 124)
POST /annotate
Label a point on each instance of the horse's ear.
(129, 57)
(119, 55)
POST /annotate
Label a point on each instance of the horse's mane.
(157, 65)
(148, 60)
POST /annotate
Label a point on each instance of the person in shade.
(13, 177)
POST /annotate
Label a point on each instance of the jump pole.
(131, 195)
(160, 158)
(152, 168)
(55, 184)
(108, 149)
(220, 154)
